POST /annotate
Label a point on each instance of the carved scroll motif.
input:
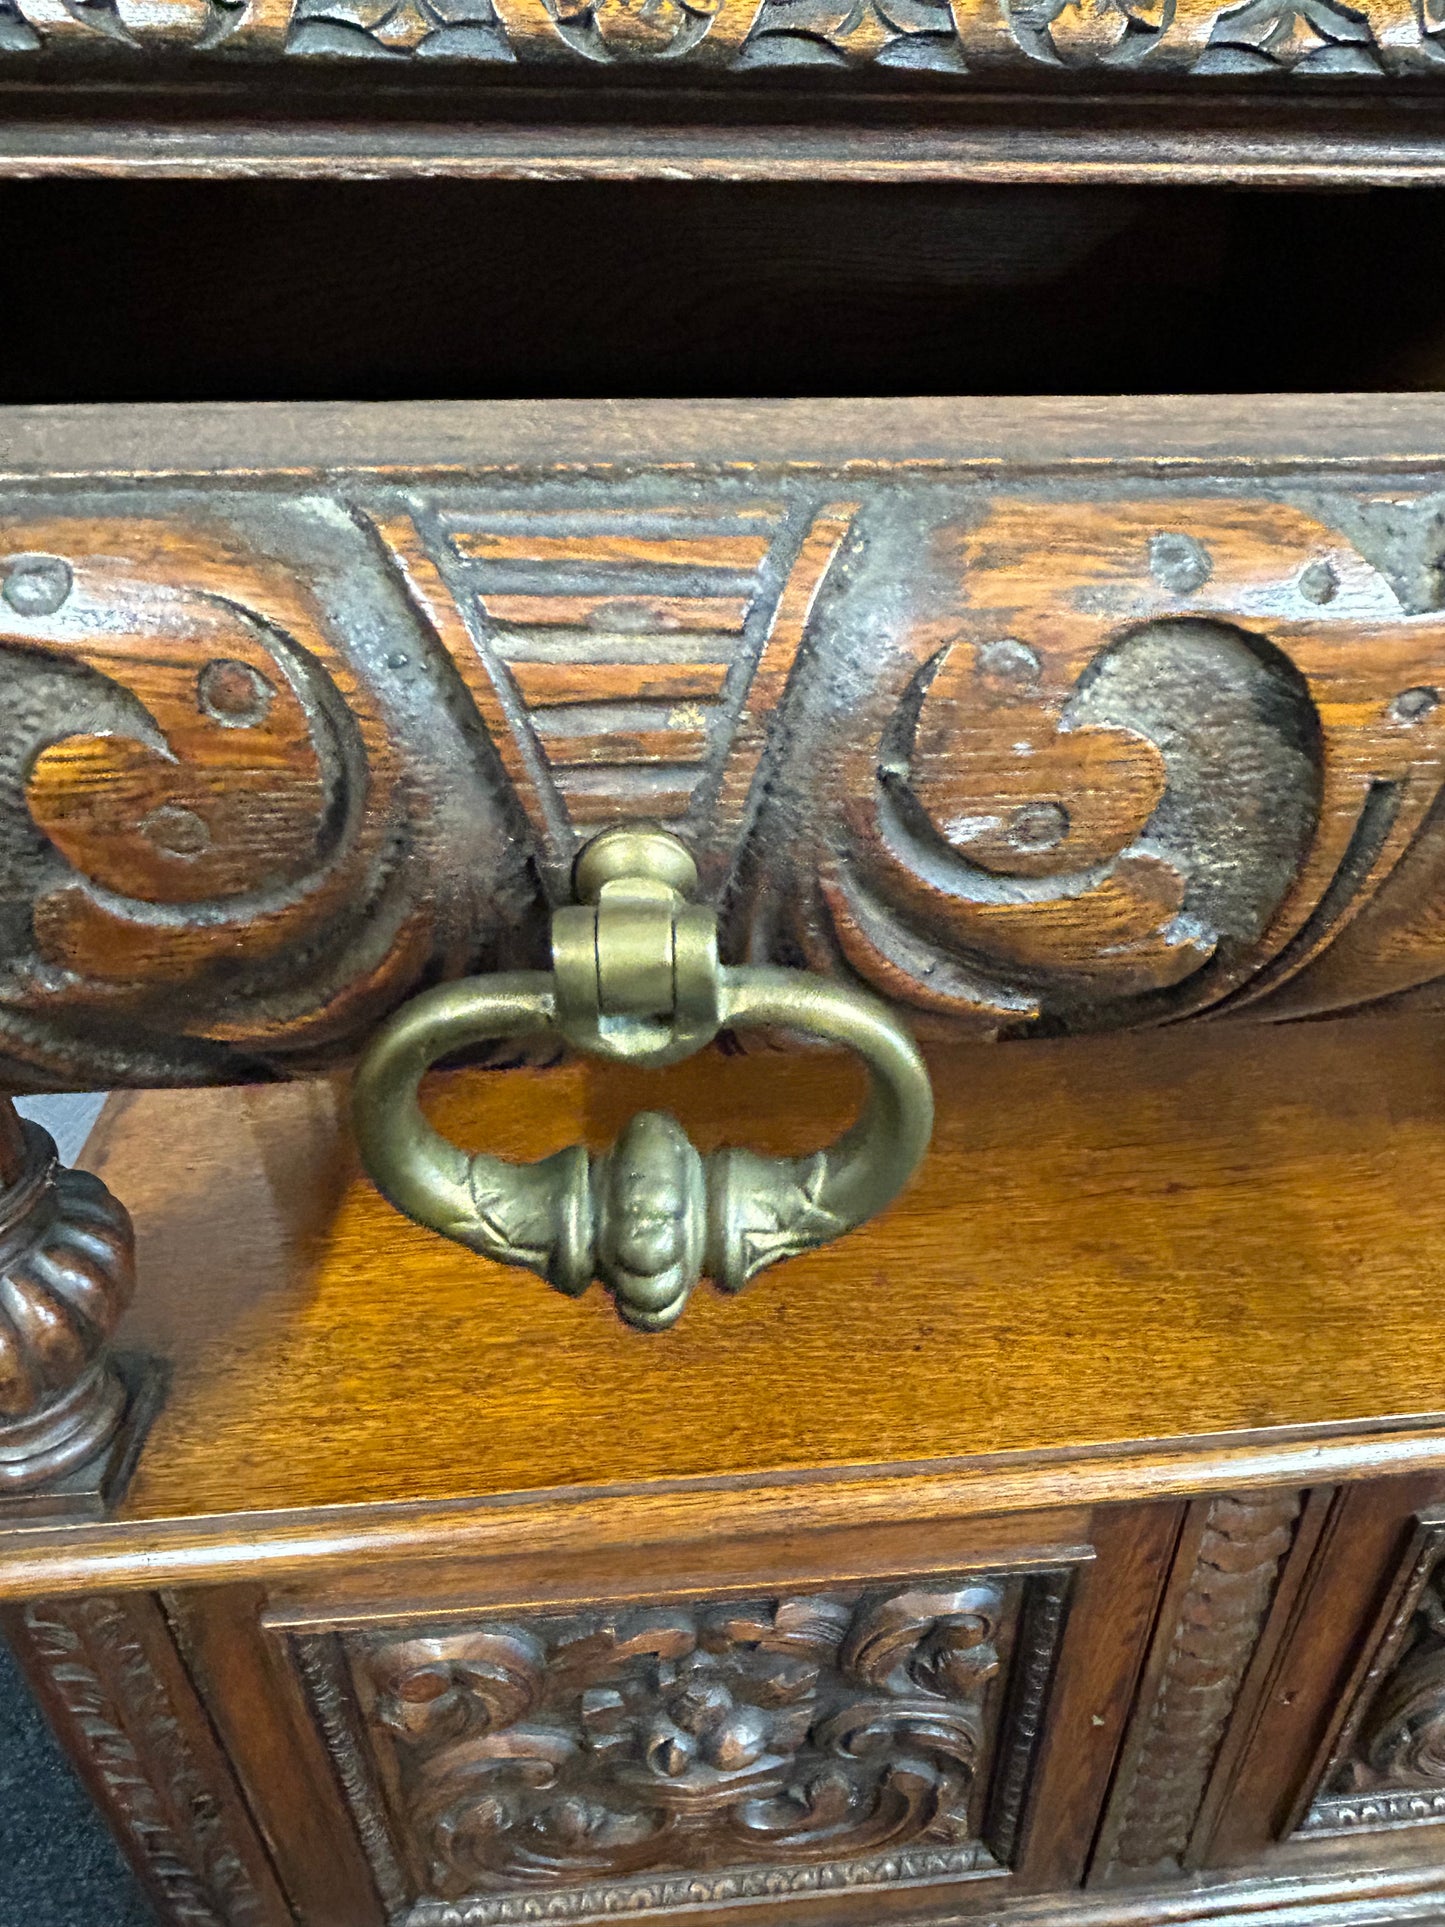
(1122, 761)
(1024, 759)
(952, 40)
(198, 826)
(1388, 1767)
(549, 1753)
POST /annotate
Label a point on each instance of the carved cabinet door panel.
(853, 1744)
(1340, 1760)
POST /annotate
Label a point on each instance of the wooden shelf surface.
(1115, 1240)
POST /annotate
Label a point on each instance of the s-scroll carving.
(200, 822)
(1120, 762)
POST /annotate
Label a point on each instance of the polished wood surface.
(1098, 1484)
(1112, 1240)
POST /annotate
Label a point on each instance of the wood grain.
(116, 1690)
(1372, 43)
(1079, 1200)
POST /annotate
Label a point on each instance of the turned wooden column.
(67, 1271)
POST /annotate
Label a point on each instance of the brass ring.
(650, 1216)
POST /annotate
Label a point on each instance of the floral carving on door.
(837, 1729)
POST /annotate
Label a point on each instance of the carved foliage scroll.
(805, 1732)
(1024, 757)
(1388, 1766)
(198, 820)
(951, 39)
(1123, 761)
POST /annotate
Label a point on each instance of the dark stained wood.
(1231, 433)
(69, 1421)
(264, 1725)
(1113, 1612)
(1237, 1571)
(525, 135)
(1350, 1627)
(731, 1705)
(1081, 1197)
(1374, 42)
(750, 89)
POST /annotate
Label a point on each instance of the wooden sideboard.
(1067, 1543)
(1065, 1546)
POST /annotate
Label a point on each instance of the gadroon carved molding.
(1069, 751)
(947, 40)
(1206, 1651)
(631, 1760)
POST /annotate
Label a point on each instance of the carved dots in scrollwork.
(1120, 759)
(553, 1751)
(1023, 758)
(198, 793)
(1369, 39)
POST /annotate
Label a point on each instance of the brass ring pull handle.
(636, 977)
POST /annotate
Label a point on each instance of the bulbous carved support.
(67, 1271)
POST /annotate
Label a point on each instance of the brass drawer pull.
(635, 976)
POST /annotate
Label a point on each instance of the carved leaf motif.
(938, 1642)
(447, 1688)
(772, 1211)
(1171, 37)
(1312, 34)
(1162, 1786)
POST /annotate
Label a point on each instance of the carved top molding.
(951, 41)
(941, 434)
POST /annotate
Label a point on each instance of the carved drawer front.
(625, 1760)
(1064, 744)
(1386, 1768)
